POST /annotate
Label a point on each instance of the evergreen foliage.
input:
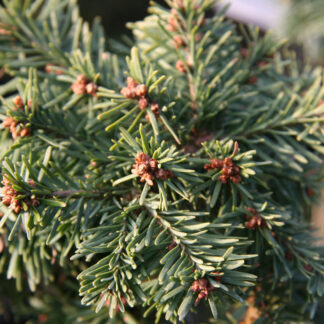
(179, 171)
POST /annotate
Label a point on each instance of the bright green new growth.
(85, 211)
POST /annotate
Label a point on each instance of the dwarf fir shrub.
(143, 179)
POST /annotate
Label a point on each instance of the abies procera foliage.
(153, 178)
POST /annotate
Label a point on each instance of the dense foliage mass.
(178, 172)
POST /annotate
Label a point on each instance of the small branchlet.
(10, 198)
(17, 128)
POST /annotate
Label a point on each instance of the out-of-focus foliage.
(305, 23)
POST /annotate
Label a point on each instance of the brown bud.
(25, 132)
(222, 178)
(155, 108)
(91, 89)
(15, 205)
(181, 67)
(148, 178)
(227, 170)
(142, 103)
(29, 103)
(18, 102)
(237, 179)
(202, 283)
(163, 174)
(78, 88)
(131, 83)
(178, 41)
(141, 90)
(129, 93)
(8, 121)
(228, 162)
(81, 78)
(141, 157)
(172, 24)
(208, 167)
(6, 200)
(153, 163)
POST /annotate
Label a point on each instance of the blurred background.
(115, 13)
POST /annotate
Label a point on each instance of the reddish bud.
(142, 103)
(25, 132)
(228, 162)
(78, 88)
(8, 122)
(131, 83)
(141, 90)
(153, 163)
(81, 78)
(155, 108)
(237, 179)
(18, 102)
(222, 178)
(91, 89)
(178, 41)
(181, 67)
(29, 103)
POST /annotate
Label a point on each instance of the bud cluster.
(202, 287)
(9, 197)
(254, 221)
(82, 85)
(16, 128)
(230, 171)
(139, 92)
(19, 104)
(147, 168)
